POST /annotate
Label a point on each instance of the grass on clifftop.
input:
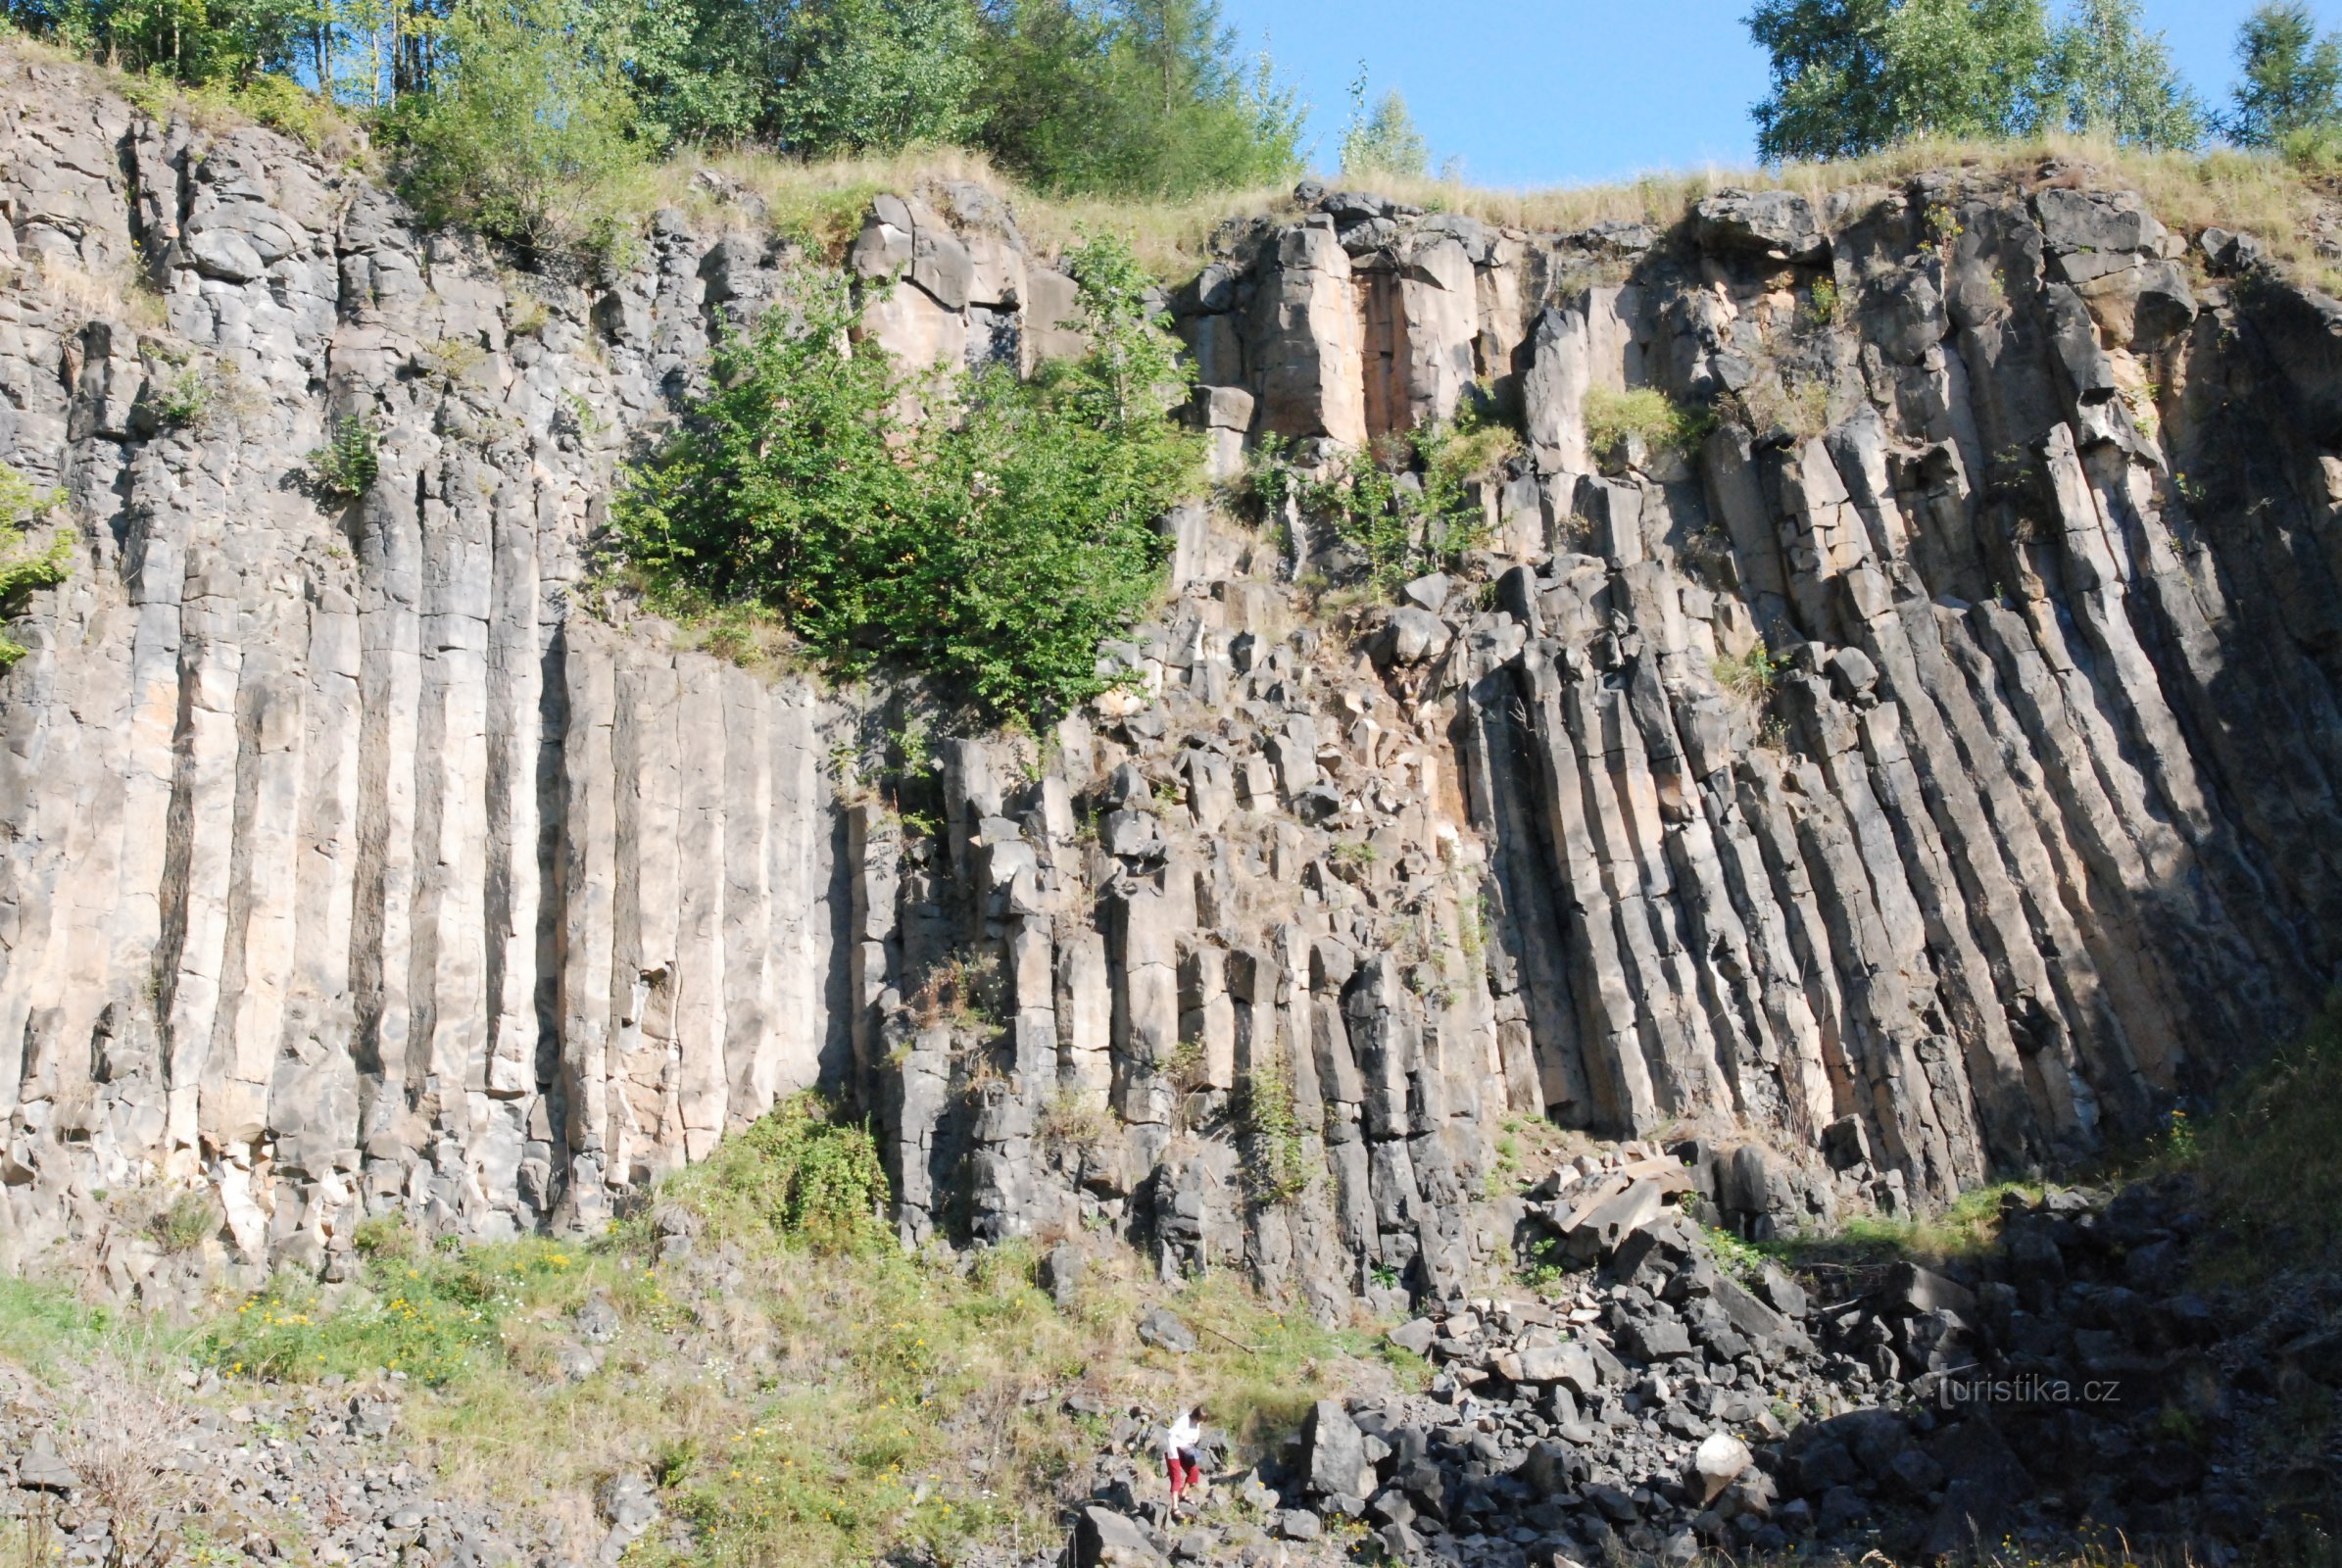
(801, 1389)
(2260, 193)
(823, 200)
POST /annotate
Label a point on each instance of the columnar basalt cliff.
(359, 855)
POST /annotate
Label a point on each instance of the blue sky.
(1548, 92)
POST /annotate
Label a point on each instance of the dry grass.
(114, 294)
(823, 201)
(2259, 193)
(2284, 206)
(122, 1440)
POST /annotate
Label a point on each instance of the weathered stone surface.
(1776, 222)
(1103, 1539)
(1165, 1332)
(1335, 1452)
(350, 868)
(1717, 1463)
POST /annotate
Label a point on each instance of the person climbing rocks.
(1180, 1458)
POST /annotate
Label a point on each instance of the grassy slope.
(2267, 1157)
(802, 1404)
(2270, 1159)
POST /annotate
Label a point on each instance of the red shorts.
(1184, 1469)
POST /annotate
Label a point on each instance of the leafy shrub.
(1822, 305)
(1276, 1166)
(23, 566)
(283, 105)
(1618, 421)
(798, 1175)
(345, 467)
(383, 1235)
(278, 102)
(185, 400)
(190, 1219)
(1403, 529)
(995, 552)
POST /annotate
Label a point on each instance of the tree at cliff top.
(1383, 140)
(2116, 79)
(192, 42)
(530, 135)
(1850, 77)
(994, 551)
(1141, 97)
(2291, 89)
(812, 77)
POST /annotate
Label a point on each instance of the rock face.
(351, 860)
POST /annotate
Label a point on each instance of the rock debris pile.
(1662, 1407)
(312, 1474)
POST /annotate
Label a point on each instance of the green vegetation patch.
(796, 1176)
(437, 1317)
(995, 550)
(2270, 1157)
(1616, 422)
(27, 563)
(1408, 505)
(346, 466)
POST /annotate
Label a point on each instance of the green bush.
(25, 565)
(996, 551)
(185, 400)
(1402, 531)
(1644, 415)
(796, 1174)
(345, 467)
(189, 1220)
(1277, 1170)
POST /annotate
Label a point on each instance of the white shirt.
(1184, 1434)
